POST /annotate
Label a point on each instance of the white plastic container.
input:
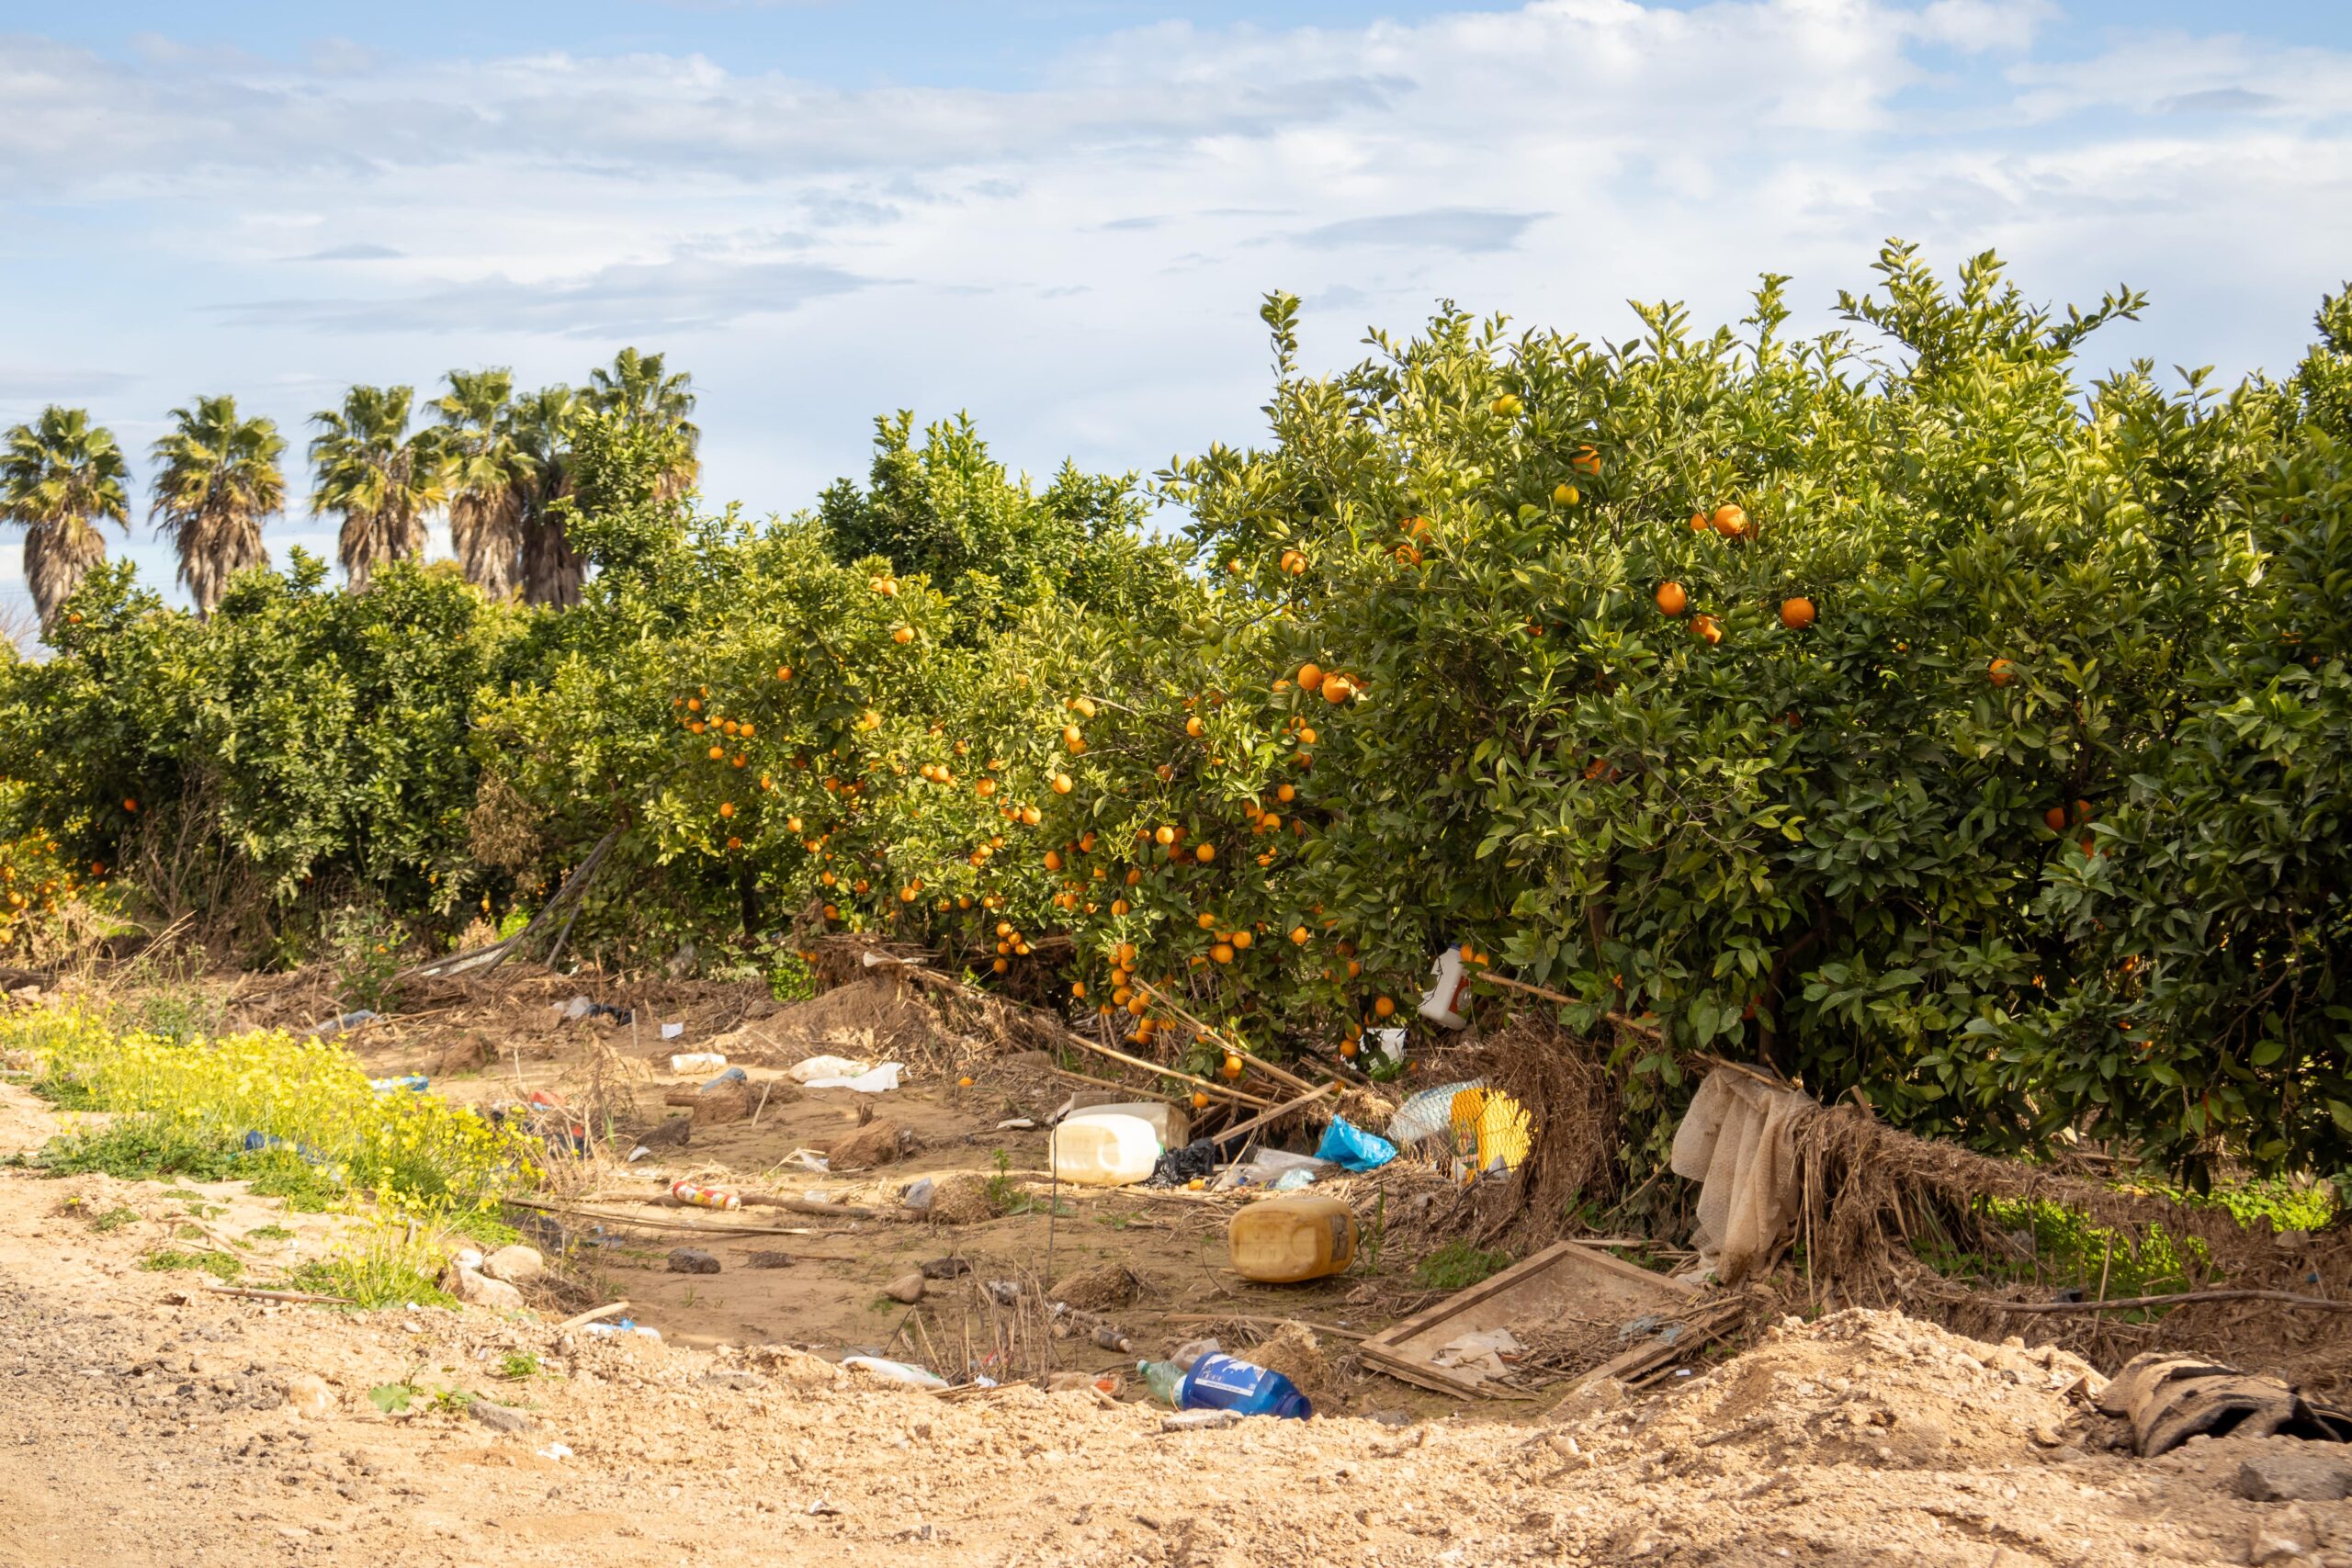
(697, 1061)
(1113, 1145)
(1441, 1005)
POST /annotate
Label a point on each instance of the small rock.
(2300, 1474)
(309, 1395)
(2285, 1536)
(2047, 1434)
(476, 1289)
(877, 1143)
(500, 1417)
(907, 1288)
(693, 1260)
(1393, 1417)
(945, 1269)
(516, 1265)
(731, 1377)
(1198, 1420)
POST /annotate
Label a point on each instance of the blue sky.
(1060, 214)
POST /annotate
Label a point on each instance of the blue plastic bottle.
(1221, 1382)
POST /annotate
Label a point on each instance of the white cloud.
(1079, 261)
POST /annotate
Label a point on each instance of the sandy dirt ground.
(149, 1422)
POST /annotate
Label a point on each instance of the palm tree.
(637, 390)
(490, 477)
(541, 422)
(59, 477)
(382, 479)
(216, 477)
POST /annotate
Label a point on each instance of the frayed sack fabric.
(1738, 1142)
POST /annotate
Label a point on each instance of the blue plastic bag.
(1350, 1145)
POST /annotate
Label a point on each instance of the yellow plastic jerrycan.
(1299, 1237)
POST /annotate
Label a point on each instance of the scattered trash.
(880, 1080)
(556, 1451)
(1738, 1141)
(579, 1007)
(639, 1153)
(1219, 1383)
(672, 1031)
(414, 1082)
(622, 1326)
(1268, 1167)
(335, 1026)
(1109, 1383)
(918, 1196)
(1480, 1352)
(809, 1159)
(1428, 1114)
(895, 1371)
(826, 1068)
(255, 1142)
(1492, 1132)
(705, 1196)
(1294, 1181)
(692, 1260)
(2170, 1398)
(732, 1075)
(1283, 1240)
(1015, 1124)
(697, 1061)
(1004, 1292)
(1352, 1147)
(1442, 1004)
(1193, 1163)
(1391, 1044)
(1191, 1350)
(824, 1509)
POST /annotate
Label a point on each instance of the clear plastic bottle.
(1164, 1380)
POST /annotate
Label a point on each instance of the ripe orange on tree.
(1671, 598)
(1796, 613)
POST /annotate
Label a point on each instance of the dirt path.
(148, 1423)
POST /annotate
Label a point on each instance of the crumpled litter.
(879, 1081)
(1196, 1161)
(1352, 1147)
(1480, 1355)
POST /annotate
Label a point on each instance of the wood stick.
(302, 1296)
(1277, 1322)
(1278, 1073)
(648, 1221)
(803, 1206)
(1084, 1044)
(592, 1315)
(1618, 1018)
(1263, 1117)
(2182, 1298)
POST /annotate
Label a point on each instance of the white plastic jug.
(1441, 1005)
(1096, 1150)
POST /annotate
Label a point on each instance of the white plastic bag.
(878, 1081)
(826, 1068)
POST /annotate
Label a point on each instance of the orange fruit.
(1299, 935)
(1205, 854)
(1222, 953)
(1164, 835)
(964, 1082)
(1563, 494)
(902, 635)
(886, 587)
(717, 752)
(1287, 794)
(1078, 989)
(1796, 613)
(1310, 676)
(1708, 630)
(694, 704)
(727, 809)
(1002, 965)
(1671, 598)
(1337, 689)
(1242, 939)
(1382, 1006)
(1698, 522)
(2001, 672)
(1348, 1049)
(1192, 726)
(1062, 784)
(1200, 1100)
(2055, 818)
(1730, 522)
(1231, 1067)
(2082, 811)
(1292, 562)
(784, 671)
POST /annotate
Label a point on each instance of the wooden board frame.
(1385, 1349)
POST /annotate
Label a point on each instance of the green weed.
(220, 1265)
(1458, 1265)
(269, 1232)
(114, 1219)
(383, 1267)
(142, 1148)
(517, 1365)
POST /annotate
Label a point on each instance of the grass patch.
(283, 1174)
(1457, 1266)
(383, 1267)
(144, 1148)
(114, 1219)
(269, 1232)
(517, 1365)
(220, 1265)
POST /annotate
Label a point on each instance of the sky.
(1061, 214)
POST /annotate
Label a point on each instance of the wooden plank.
(1083, 1043)
(1704, 1329)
